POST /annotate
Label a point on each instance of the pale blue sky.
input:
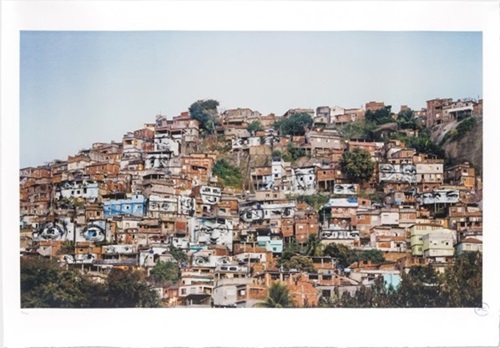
(78, 88)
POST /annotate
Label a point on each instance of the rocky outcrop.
(468, 147)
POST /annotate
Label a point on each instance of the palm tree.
(278, 297)
(314, 246)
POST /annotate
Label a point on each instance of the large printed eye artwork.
(387, 169)
(224, 260)
(351, 189)
(436, 195)
(452, 194)
(94, 233)
(409, 170)
(252, 214)
(338, 188)
(344, 188)
(50, 231)
(201, 260)
(152, 161)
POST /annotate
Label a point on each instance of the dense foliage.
(279, 297)
(276, 154)
(129, 289)
(424, 144)
(380, 116)
(406, 120)
(294, 153)
(314, 200)
(462, 129)
(357, 165)
(178, 254)
(459, 286)
(294, 125)
(229, 174)
(299, 263)
(346, 256)
(205, 111)
(165, 273)
(255, 126)
(359, 129)
(44, 284)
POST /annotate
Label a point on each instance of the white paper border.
(246, 327)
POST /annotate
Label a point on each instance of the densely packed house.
(127, 204)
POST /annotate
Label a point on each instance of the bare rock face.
(468, 148)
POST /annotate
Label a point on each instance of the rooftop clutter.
(250, 200)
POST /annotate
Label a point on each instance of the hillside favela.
(326, 207)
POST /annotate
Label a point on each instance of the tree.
(464, 127)
(406, 119)
(165, 272)
(290, 250)
(294, 125)
(341, 253)
(229, 174)
(276, 154)
(178, 254)
(129, 289)
(313, 246)
(462, 283)
(44, 284)
(295, 152)
(424, 144)
(373, 255)
(278, 297)
(359, 129)
(298, 262)
(421, 287)
(459, 286)
(205, 111)
(380, 116)
(255, 126)
(315, 200)
(357, 165)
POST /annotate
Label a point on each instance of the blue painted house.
(135, 205)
